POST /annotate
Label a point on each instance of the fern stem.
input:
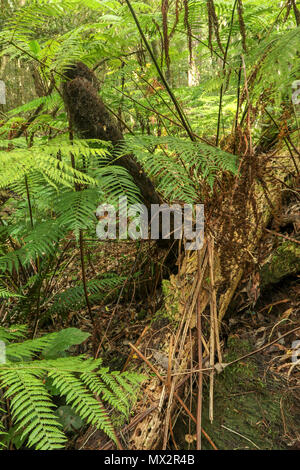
(286, 141)
(81, 241)
(29, 202)
(42, 64)
(157, 92)
(59, 260)
(207, 46)
(224, 66)
(237, 107)
(162, 116)
(183, 119)
(81, 245)
(37, 313)
(14, 248)
(296, 12)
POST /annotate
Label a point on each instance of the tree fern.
(85, 385)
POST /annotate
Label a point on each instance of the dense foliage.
(194, 85)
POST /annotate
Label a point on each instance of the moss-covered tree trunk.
(91, 119)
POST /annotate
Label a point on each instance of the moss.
(165, 285)
(284, 261)
(241, 371)
(245, 402)
(171, 300)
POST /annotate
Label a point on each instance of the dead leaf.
(189, 438)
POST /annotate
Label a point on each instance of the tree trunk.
(93, 121)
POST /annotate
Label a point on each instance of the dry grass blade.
(213, 301)
(211, 345)
(200, 374)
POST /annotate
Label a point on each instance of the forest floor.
(256, 402)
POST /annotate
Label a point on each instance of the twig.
(240, 358)
(126, 428)
(283, 236)
(214, 298)
(262, 348)
(195, 421)
(149, 364)
(244, 437)
(172, 434)
(284, 301)
(136, 345)
(212, 339)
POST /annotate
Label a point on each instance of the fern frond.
(48, 102)
(73, 297)
(179, 168)
(82, 401)
(27, 349)
(82, 381)
(18, 163)
(40, 241)
(32, 408)
(12, 333)
(6, 294)
(76, 209)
